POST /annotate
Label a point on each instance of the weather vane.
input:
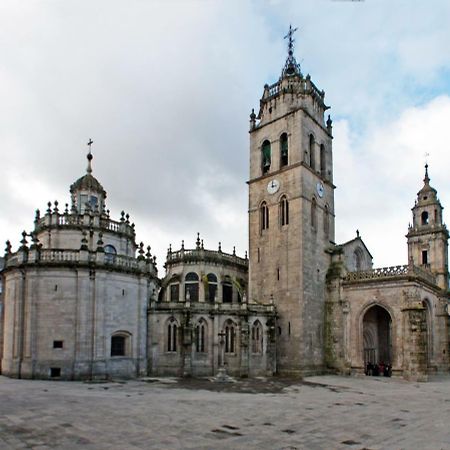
(426, 157)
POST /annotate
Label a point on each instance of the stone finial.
(49, 207)
(148, 255)
(122, 216)
(154, 260)
(8, 248)
(24, 241)
(37, 216)
(357, 233)
(100, 240)
(55, 209)
(66, 209)
(246, 255)
(329, 123)
(426, 180)
(127, 217)
(234, 251)
(34, 240)
(141, 251)
(252, 120)
(84, 241)
(182, 244)
(169, 250)
(202, 246)
(197, 242)
(220, 247)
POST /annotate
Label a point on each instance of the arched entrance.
(377, 339)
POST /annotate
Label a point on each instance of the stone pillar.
(336, 311)
(244, 351)
(415, 342)
(187, 342)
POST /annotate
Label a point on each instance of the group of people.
(378, 370)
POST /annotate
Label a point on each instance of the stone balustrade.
(199, 255)
(384, 273)
(58, 257)
(55, 219)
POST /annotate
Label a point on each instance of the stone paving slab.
(324, 412)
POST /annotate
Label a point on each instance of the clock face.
(320, 189)
(273, 186)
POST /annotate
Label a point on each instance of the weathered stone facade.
(78, 303)
(334, 311)
(75, 300)
(203, 298)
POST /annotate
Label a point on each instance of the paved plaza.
(323, 412)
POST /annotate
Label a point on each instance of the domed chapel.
(82, 300)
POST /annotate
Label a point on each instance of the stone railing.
(198, 255)
(79, 257)
(58, 255)
(300, 85)
(391, 272)
(57, 220)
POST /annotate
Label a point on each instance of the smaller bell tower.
(428, 235)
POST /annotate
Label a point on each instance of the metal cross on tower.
(291, 40)
(89, 157)
(291, 66)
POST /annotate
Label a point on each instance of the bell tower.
(291, 212)
(428, 235)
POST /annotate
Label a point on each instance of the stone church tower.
(428, 235)
(291, 213)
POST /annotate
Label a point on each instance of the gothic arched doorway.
(377, 341)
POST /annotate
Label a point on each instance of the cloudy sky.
(165, 88)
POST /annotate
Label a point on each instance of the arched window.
(284, 211)
(312, 160)
(323, 161)
(191, 287)
(175, 292)
(227, 291)
(257, 337)
(358, 259)
(326, 221)
(201, 336)
(172, 335)
(110, 254)
(120, 344)
(424, 217)
(230, 337)
(266, 156)
(284, 150)
(314, 214)
(264, 216)
(211, 291)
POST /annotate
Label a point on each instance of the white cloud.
(379, 174)
(165, 88)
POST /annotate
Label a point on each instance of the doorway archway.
(377, 336)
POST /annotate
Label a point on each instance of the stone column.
(415, 342)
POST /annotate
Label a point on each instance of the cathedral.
(81, 299)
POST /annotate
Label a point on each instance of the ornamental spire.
(426, 180)
(89, 157)
(291, 67)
